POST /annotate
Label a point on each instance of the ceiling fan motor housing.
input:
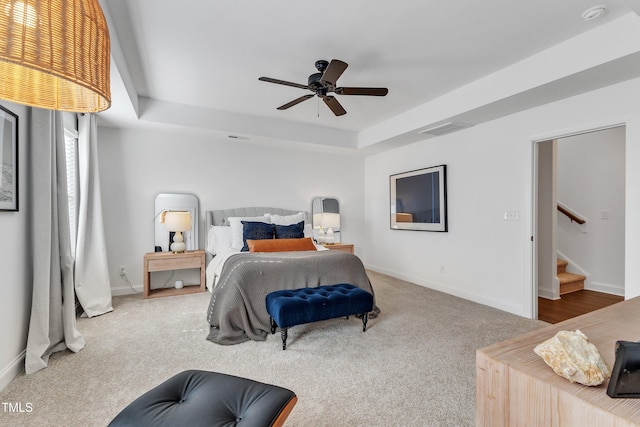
(314, 82)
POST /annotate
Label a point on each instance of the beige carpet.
(415, 365)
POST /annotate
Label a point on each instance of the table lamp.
(177, 221)
(330, 221)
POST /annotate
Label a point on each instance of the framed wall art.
(8, 160)
(419, 199)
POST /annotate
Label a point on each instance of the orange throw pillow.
(281, 245)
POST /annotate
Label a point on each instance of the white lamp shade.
(317, 220)
(331, 220)
(177, 221)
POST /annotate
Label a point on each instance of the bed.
(240, 281)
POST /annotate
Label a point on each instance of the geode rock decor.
(572, 356)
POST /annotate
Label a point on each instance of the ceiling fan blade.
(369, 91)
(295, 101)
(334, 71)
(282, 82)
(334, 105)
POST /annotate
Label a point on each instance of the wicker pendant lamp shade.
(55, 54)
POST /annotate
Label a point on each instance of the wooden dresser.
(514, 387)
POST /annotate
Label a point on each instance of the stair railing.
(571, 215)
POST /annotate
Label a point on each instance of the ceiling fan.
(324, 82)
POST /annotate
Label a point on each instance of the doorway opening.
(583, 175)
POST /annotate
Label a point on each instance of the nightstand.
(164, 261)
(344, 247)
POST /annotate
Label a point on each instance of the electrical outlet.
(123, 271)
(442, 269)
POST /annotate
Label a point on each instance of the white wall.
(223, 173)
(546, 222)
(483, 257)
(15, 264)
(591, 182)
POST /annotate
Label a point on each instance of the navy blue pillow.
(255, 231)
(293, 231)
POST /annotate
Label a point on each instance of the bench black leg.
(273, 325)
(283, 333)
(365, 317)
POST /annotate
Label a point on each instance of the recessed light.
(593, 12)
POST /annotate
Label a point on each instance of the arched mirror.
(175, 202)
(326, 219)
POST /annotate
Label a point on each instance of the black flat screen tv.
(419, 199)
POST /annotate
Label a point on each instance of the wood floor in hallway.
(574, 304)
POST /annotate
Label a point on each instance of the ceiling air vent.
(444, 128)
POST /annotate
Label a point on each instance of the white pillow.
(236, 227)
(219, 238)
(287, 219)
(308, 230)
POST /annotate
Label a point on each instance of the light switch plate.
(511, 215)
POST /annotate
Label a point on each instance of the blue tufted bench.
(289, 308)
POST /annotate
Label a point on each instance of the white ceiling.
(196, 63)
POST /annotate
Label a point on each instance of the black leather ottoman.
(200, 398)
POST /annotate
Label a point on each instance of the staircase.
(569, 282)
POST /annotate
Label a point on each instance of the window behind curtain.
(71, 153)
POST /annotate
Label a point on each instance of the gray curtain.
(53, 317)
(92, 283)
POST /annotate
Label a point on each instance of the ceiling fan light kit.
(323, 83)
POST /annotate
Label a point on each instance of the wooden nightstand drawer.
(173, 263)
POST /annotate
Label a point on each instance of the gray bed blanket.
(237, 311)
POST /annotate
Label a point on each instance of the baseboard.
(125, 290)
(480, 299)
(604, 288)
(12, 370)
(548, 293)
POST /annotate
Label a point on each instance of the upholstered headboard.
(219, 217)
